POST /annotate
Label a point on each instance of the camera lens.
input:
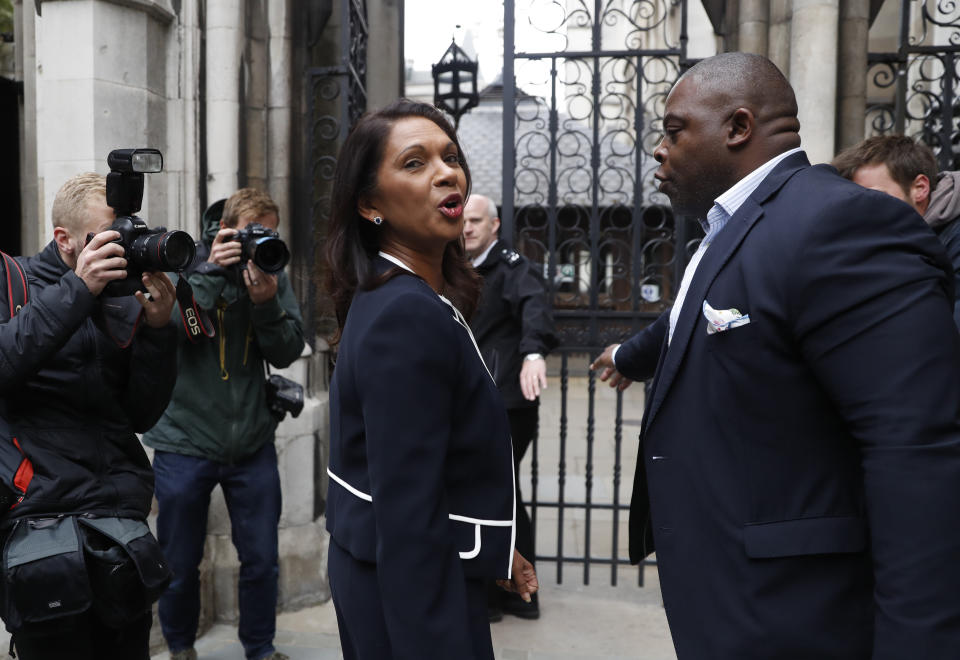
(162, 251)
(177, 249)
(270, 254)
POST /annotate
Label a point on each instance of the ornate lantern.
(455, 83)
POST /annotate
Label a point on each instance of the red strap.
(196, 323)
(24, 474)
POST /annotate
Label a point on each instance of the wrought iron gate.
(914, 89)
(336, 97)
(582, 117)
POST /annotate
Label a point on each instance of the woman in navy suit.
(420, 506)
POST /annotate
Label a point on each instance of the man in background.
(513, 326)
(219, 429)
(898, 166)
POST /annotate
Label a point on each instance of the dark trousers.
(251, 489)
(84, 637)
(363, 630)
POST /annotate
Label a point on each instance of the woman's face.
(420, 187)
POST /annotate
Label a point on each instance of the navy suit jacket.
(421, 463)
(800, 474)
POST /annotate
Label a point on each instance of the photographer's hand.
(261, 286)
(101, 261)
(225, 251)
(163, 294)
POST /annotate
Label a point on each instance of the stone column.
(813, 74)
(225, 41)
(778, 48)
(101, 84)
(279, 109)
(852, 72)
(383, 52)
(731, 24)
(181, 153)
(754, 23)
(31, 203)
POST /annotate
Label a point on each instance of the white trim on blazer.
(476, 522)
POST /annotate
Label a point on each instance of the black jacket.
(801, 468)
(74, 398)
(514, 319)
(421, 465)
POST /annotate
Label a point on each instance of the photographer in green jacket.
(218, 428)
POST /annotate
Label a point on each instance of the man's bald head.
(481, 224)
(745, 80)
(725, 117)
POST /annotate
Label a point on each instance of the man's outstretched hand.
(524, 581)
(605, 361)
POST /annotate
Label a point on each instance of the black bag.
(55, 567)
(126, 568)
(44, 572)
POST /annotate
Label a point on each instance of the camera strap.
(18, 294)
(196, 322)
(15, 468)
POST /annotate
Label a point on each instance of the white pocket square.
(719, 320)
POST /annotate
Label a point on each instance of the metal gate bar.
(923, 103)
(602, 243)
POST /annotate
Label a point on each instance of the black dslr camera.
(263, 246)
(283, 396)
(145, 249)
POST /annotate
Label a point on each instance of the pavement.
(577, 622)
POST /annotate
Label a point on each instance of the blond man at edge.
(75, 398)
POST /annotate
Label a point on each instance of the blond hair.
(247, 201)
(71, 203)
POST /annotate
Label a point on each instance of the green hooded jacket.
(218, 410)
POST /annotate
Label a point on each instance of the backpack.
(17, 292)
(16, 470)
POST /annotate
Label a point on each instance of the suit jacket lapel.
(724, 245)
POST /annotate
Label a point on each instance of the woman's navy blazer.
(421, 463)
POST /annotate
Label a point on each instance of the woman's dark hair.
(353, 241)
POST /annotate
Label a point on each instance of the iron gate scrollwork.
(336, 98)
(582, 117)
(916, 87)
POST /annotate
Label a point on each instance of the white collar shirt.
(480, 258)
(724, 207)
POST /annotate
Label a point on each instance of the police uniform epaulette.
(512, 257)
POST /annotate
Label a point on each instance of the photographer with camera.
(219, 427)
(80, 566)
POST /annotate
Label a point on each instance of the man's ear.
(740, 129)
(496, 225)
(61, 237)
(920, 193)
